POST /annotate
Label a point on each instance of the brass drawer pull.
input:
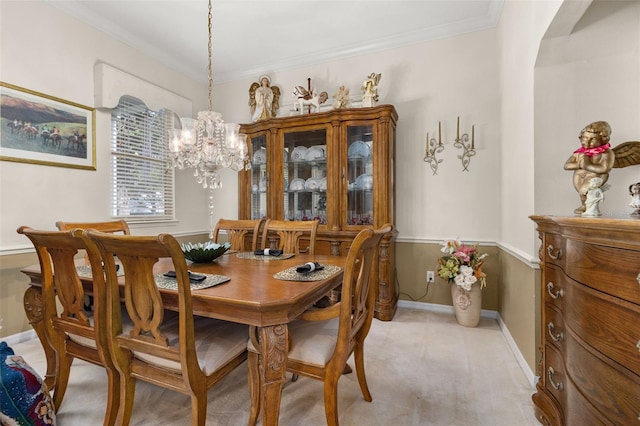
(638, 345)
(557, 386)
(638, 278)
(558, 294)
(556, 337)
(555, 255)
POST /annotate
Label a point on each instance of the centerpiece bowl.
(204, 252)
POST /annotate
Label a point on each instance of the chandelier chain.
(210, 67)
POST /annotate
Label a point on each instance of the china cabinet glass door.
(360, 175)
(305, 175)
(259, 177)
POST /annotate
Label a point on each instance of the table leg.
(273, 366)
(34, 309)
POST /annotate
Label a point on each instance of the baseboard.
(435, 307)
(24, 336)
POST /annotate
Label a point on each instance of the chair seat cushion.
(217, 342)
(127, 325)
(24, 398)
(312, 342)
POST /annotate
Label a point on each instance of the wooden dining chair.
(188, 354)
(321, 340)
(286, 234)
(71, 331)
(237, 232)
(111, 226)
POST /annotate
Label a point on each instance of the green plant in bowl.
(204, 252)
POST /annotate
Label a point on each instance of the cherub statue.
(263, 99)
(370, 90)
(634, 191)
(596, 158)
(341, 98)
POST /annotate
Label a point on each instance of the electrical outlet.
(430, 276)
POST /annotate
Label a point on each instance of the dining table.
(258, 293)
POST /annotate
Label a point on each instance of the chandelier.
(208, 143)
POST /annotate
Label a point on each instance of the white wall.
(426, 82)
(46, 51)
(522, 26)
(592, 74)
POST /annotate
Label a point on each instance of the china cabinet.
(590, 311)
(336, 167)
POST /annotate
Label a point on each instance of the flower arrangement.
(462, 264)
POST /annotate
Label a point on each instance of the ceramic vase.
(467, 304)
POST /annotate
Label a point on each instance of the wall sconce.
(432, 149)
(468, 149)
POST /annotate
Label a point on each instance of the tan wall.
(414, 259)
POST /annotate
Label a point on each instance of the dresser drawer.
(555, 379)
(553, 282)
(554, 326)
(608, 324)
(613, 390)
(553, 248)
(609, 269)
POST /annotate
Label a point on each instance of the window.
(142, 180)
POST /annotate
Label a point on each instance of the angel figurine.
(370, 90)
(596, 158)
(341, 98)
(263, 99)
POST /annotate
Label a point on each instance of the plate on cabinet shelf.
(296, 185)
(311, 184)
(299, 153)
(359, 149)
(315, 153)
(260, 156)
(322, 185)
(365, 181)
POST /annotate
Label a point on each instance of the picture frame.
(40, 129)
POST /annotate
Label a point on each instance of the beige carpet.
(422, 368)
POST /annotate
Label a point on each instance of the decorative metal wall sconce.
(432, 149)
(463, 143)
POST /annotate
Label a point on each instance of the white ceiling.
(261, 36)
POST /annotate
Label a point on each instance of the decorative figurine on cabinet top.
(307, 97)
(596, 158)
(341, 98)
(370, 90)
(263, 99)
(634, 191)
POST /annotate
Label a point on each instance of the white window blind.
(142, 183)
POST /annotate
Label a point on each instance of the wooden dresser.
(590, 321)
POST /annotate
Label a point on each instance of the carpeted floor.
(422, 369)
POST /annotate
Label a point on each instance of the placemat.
(251, 255)
(171, 283)
(85, 271)
(290, 274)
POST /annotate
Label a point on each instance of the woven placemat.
(84, 271)
(290, 274)
(250, 255)
(171, 283)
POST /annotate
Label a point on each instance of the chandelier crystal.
(208, 143)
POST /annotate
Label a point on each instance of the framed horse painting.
(41, 129)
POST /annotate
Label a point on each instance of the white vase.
(467, 304)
